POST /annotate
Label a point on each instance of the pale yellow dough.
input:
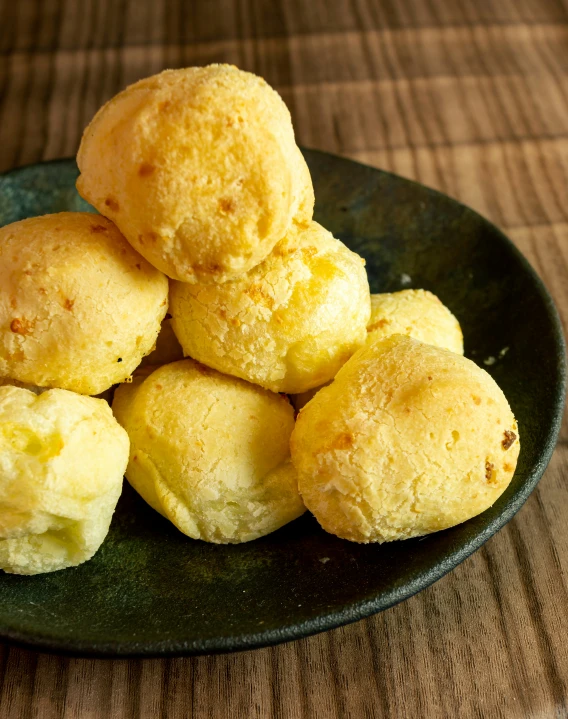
(418, 314)
(79, 308)
(408, 439)
(287, 325)
(199, 169)
(62, 460)
(210, 452)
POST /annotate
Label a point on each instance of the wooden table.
(469, 96)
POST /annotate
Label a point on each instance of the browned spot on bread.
(342, 441)
(13, 303)
(509, 439)
(28, 272)
(96, 229)
(203, 369)
(429, 378)
(135, 457)
(235, 321)
(68, 304)
(138, 266)
(259, 296)
(379, 324)
(152, 236)
(159, 386)
(477, 400)
(42, 291)
(226, 204)
(17, 356)
(22, 326)
(283, 250)
(112, 204)
(489, 471)
(163, 106)
(146, 169)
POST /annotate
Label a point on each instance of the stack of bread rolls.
(204, 298)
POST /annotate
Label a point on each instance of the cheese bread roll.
(407, 440)
(79, 308)
(62, 460)
(199, 169)
(210, 452)
(288, 324)
(418, 314)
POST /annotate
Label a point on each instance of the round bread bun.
(199, 169)
(167, 348)
(407, 440)
(79, 308)
(210, 452)
(418, 314)
(289, 324)
(62, 460)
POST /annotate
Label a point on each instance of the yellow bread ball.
(289, 323)
(210, 452)
(167, 349)
(79, 308)
(62, 460)
(199, 169)
(407, 440)
(418, 314)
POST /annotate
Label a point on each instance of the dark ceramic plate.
(152, 591)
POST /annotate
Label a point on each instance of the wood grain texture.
(470, 97)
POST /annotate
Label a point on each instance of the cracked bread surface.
(289, 324)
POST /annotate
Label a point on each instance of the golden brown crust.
(199, 169)
(68, 285)
(288, 324)
(397, 446)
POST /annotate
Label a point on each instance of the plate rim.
(357, 610)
